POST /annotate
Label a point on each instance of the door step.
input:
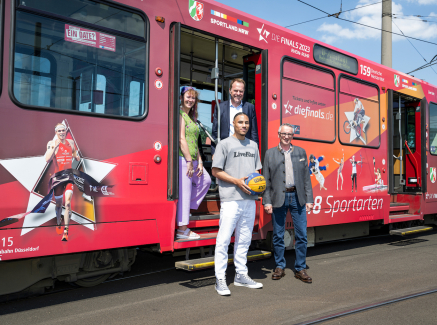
(204, 220)
(393, 218)
(410, 231)
(208, 262)
(204, 240)
(397, 207)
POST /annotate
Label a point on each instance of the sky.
(356, 39)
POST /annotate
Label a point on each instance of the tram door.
(406, 144)
(194, 56)
(255, 76)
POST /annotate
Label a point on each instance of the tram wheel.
(93, 281)
(347, 127)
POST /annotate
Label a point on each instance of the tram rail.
(367, 307)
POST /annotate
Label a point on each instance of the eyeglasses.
(286, 134)
(185, 89)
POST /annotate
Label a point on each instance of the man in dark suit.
(288, 187)
(229, 108)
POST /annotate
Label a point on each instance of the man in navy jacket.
(229, 108)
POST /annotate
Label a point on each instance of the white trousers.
(238, 216)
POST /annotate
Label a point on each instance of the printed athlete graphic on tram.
(115, 73)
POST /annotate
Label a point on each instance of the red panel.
(204, 223)
(399, 208)
(358, 89)
(309, 75)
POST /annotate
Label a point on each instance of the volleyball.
(256, 182)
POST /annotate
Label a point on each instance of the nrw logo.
(263, 34)
(396, 80)
(195, 8)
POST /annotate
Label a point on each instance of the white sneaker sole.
(224, 292)
(186, 237)
(251, 286)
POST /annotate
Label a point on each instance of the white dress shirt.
(232, 112)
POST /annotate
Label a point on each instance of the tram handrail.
(206, 131)
(417, 168)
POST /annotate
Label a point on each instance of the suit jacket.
(248, 109)
(274, 173)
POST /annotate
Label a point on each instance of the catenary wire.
(328, 15)
(355, 22)
(413, 46)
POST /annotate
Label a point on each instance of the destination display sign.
(335, 59)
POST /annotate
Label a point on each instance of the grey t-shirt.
(238, 159)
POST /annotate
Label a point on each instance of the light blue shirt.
(232, 112)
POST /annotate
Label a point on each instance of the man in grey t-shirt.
(235, 158)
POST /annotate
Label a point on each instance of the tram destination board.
(335, 59)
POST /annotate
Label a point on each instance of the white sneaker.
(222, 287)
(187, 234)
(244, 280)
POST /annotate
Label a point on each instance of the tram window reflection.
(103, 73)
(433, 128)
(308, 101)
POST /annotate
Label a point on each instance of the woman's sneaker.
(187, 234)
(222, 287)
(244, 280)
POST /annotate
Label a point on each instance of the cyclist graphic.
(356, 122)
(359, 113)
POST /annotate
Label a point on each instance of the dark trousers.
(354, 181)
(299, 215)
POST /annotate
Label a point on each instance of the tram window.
(358, 113)
(136, 98)
(308, 101)
(411, 128)
(433, 128)
(206, 97)
(32, 80)
(91, 12)
(62, 65)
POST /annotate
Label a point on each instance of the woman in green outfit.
(194, 181)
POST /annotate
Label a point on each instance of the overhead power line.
(386, 31)
(334, 15)
(420, 16)
(431, 63)
(413, 46)
(419, 19)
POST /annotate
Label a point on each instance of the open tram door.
(255, 74)
(407, 152)
(208, 63)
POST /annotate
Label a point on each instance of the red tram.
(110, 72)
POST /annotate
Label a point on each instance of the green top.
(191, 135)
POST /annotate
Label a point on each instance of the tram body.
(115, 86)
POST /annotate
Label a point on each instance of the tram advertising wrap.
(29, 219)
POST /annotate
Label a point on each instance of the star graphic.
(288, 108)
(34, 172)
(261, 33)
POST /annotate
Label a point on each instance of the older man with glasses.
(288, 188)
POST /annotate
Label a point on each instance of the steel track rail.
(367, 307)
